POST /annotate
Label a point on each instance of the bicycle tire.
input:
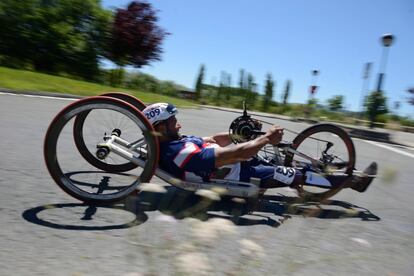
(348, 169)
(82, 147)
(56, 127)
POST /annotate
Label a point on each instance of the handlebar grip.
(284, 144)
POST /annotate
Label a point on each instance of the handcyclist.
(194, 158)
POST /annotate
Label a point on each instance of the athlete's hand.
(274, 134)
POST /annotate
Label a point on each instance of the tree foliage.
(135, 37)
(375, 104)
(199, 82)
(250, 91)
(268, 95)
(70, 36)
(224, 91)
(242, 79)
(148, 83)
(336, 103)
(54, 36)
(313, 102)
(247, 87)
(286, 93)
(411, 95)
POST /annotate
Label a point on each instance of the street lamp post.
(312, 91)
(386, 40)
(365, 85)
(313, 87)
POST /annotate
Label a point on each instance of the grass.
(23, 81)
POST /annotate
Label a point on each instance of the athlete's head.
(162, 117)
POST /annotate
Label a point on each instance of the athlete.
(194, 158)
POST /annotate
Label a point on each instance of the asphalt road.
(46, 232)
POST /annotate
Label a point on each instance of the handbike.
(325, 149)
(100, 149)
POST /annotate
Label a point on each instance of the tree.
(375, 104)
(16, 20)
(221, 89)
(336, 103)
(136, 38)
(115, 77)
(54, 36)
(313, 102)
(411, 95)
(250, 82)
(268, 96)
(286, 93)
(227, 88)
(250, 94)
(242, 81)
(143, 82)
(199, 83)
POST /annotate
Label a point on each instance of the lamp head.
(387, 39)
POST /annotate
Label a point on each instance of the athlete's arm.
(222, 139)
(245, 151)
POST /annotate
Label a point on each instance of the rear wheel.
(75, 175)
(330, 145)
(87, 148)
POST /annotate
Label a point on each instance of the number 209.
(152, 113)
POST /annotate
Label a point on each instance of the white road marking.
(389, 148)
(38, 96)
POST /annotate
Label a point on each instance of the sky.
(289, 39)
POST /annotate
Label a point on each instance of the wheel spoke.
(339, 158)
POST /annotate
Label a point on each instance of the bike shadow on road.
(270, 210)
(79, 216)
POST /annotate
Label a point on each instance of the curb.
(41, 93)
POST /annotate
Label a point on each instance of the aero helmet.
(158, 112)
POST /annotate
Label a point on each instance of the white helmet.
(158, 112)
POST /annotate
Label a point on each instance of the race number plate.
(284, 174)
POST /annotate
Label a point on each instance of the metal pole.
(387, 40)
(365, 76)
(381, 75)
(312, 90)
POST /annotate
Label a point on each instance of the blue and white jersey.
(191, 159)
(188, 158)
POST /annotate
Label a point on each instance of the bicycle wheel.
(334, 150)
(128, 98)
(88, 150)
(78, 177)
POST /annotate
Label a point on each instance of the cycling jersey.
(190, 158)
(187, 158)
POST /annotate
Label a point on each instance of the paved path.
(46, 232)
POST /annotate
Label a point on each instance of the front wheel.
(78, 177)
(332, 147)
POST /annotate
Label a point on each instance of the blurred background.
(348, 62)
(299, 61)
